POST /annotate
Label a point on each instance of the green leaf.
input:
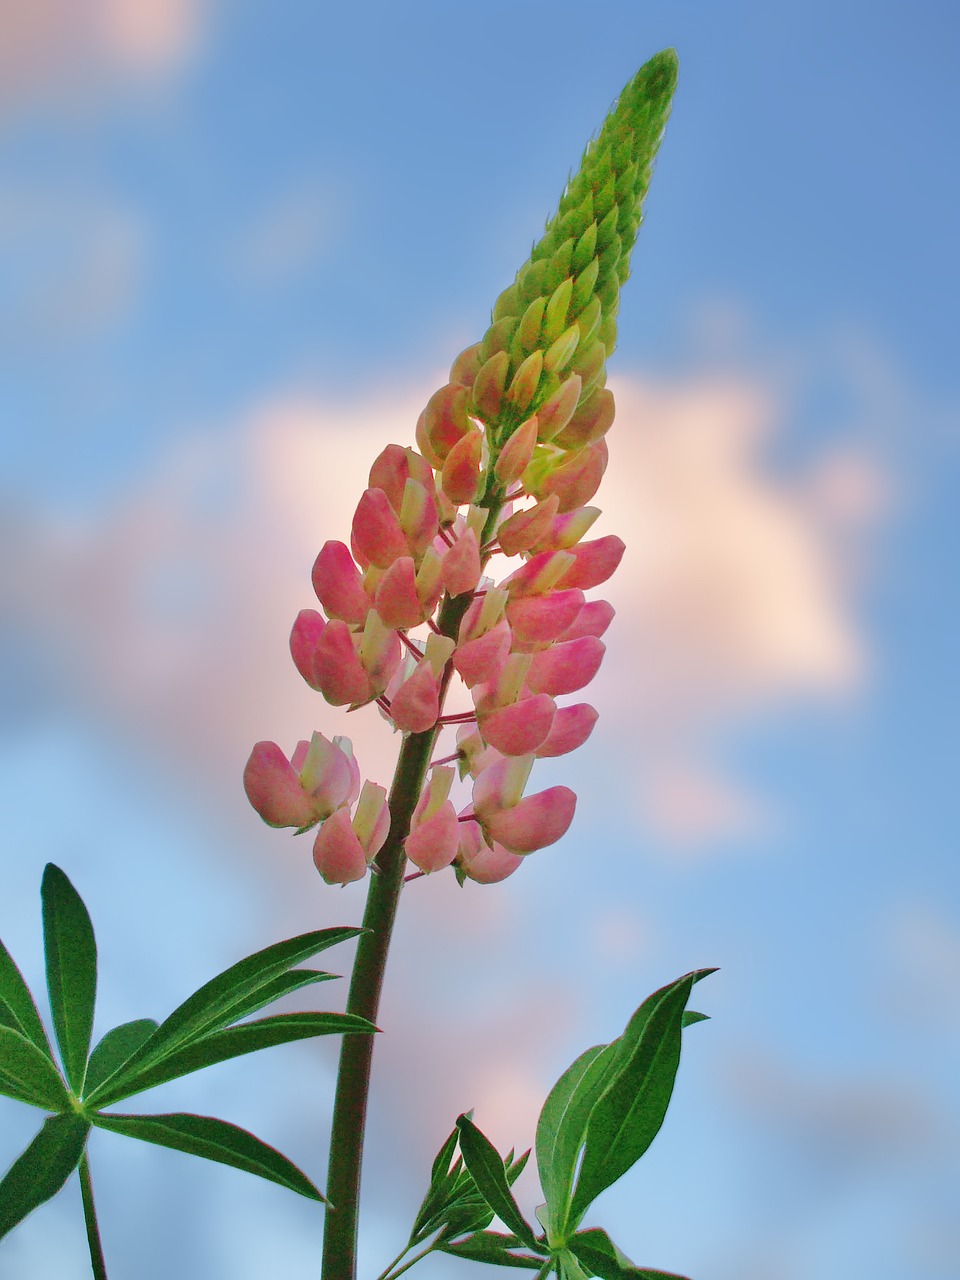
(17, 1008)
(136, 1075)
(282, 985)
(115, 1048)
(71, 952)
(493, 1247)
(42, 1169)
(562, 1127)
(441, 1182)
(486, 1168)
(689, 1017)
(628, 1115)
(28, 1075)
(213, 1140)
(596, 1251)
(216, 1003)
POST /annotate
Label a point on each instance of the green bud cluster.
(558, 318)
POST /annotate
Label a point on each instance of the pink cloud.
(172, 608)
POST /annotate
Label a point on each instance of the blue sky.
(240, 245)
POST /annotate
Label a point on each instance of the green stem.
(366, 984)
(390, 1274)
(97, 1262)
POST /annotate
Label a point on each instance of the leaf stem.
(392, 1275)
(97, 1262)
(366, 984)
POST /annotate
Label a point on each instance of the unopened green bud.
(556, 411)
(585, 249)
(589, 319)
(559, 267)
(585, 285)
(561, 352)
(525, 381)
(555, 316)
(589, 362)
(607, 230)
(527, 335)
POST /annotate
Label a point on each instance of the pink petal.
(500, 785)
(535, 822)
(520, 728)
(461, 564)
(337, 582)
(541, 573)
(398, 603)
(572, 726)
(524, 529)
(542, 619)
(576, 481)
(592, 620)
(338, 673)
(516, 453)
(460, 477)
(305, 637)
(434, 843)
(481, 863)
(274, 790)
(390, 472)
(376, 535)
(594, 563)
(557, 410)
(337, 853)
(482, 658)
(565, 667)
(591, 421)
(443, 422)
(416, 705)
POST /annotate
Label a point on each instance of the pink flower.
(481, 862)
(321, 777)
(434, 831)
(521, 824)
(343, 848)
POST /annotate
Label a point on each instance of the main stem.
(366, 984)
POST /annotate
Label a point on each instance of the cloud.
(53, 50)
(173, 607)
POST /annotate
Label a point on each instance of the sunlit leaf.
(214, 1005)
(213, 1140)
(71, 955)
(42, 1169)
(628, 1115)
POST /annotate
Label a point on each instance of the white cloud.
(179, 599)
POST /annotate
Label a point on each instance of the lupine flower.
(321, 777)
(510, 453)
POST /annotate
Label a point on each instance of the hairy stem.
(97, 1262)
(366, 984)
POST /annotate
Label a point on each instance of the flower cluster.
(511, 451)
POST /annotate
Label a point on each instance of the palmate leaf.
(238, 991)
(493, 1247)
(28, 1075)
(628, 1114)
(116, 1047)
(17, 1007)
(71, 956)
(213, 1140)
(562, 1127)
(42, 1169)
(600, 1256)
(248, 1037)
(487, 1169)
